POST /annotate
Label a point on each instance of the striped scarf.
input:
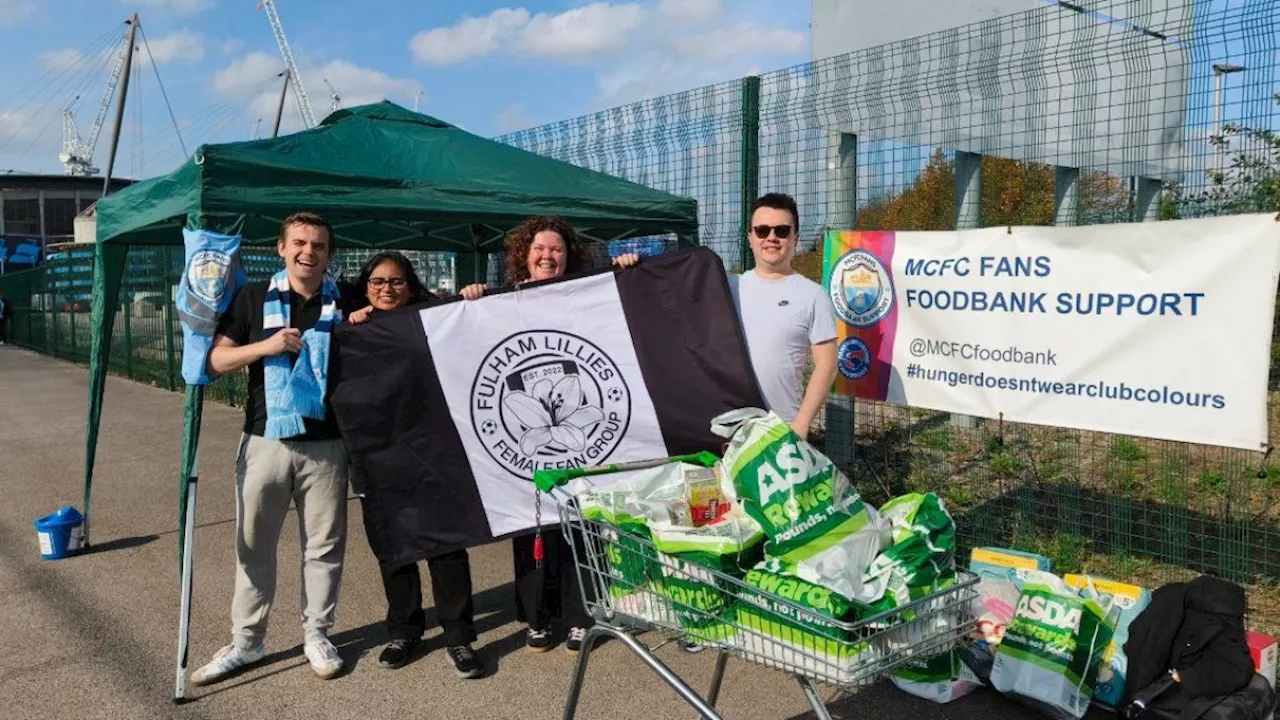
(296, 392)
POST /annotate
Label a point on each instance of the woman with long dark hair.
(543, 248)
(389, 283)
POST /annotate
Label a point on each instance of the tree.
(1014, 192)
(1248, 182)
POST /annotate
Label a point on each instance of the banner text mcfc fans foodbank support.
(1158, 329)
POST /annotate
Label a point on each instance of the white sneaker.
(226, 661)
(323, 657)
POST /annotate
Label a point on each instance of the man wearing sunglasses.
(785, 316)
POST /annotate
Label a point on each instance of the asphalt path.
(95, 636)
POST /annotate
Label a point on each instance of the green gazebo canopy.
(385, 177)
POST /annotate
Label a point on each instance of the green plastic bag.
(921, 559)
(816, 522)
(808, 632)
(703, 602)
(1053, 648)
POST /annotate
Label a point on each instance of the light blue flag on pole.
(210, 277)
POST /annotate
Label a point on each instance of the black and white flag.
(449, 408)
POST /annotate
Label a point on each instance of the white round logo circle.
(861, 289)
(549, 400)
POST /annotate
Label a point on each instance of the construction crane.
(273, 17)
(335, 101)
(77, 153)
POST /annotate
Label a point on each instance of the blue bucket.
(60, 534)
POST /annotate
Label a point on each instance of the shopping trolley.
(629, 588)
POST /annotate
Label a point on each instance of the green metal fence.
(1070, 114)
(1060, 115)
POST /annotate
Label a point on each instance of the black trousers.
(451, 587)
(552, 591)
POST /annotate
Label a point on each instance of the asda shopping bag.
(693, 562)
(816, 522)
(796, 614)
(941, 678)
(1129, 601)
(1053, 649)
(624, 502)
(921, 558)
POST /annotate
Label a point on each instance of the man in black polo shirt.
(309, 468)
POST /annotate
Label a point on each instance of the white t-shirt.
(781, 318)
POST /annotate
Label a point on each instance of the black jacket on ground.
(1196, 628)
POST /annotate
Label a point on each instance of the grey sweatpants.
(270, 473)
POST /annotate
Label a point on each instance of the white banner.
(1159, 329)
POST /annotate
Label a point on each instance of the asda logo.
(792, 465)
(1049, 611)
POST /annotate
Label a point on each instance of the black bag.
(1164, 700)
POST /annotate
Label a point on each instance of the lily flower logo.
(553, 414)
(546, 399)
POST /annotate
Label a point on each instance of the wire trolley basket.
(630, 587)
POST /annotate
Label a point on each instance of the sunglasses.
(782, 231)
(396, 283)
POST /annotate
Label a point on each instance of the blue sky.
(488, 66)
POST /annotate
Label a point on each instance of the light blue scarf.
(296, 392)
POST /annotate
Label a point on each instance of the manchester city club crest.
(209, 276)
(546, 399)
(853, 358)
(861, 289)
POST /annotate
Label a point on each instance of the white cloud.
(354, 85)
(180, 7)
(471, 37)
(692, 60)
(581, 34)
(231, 46)
(690, 12)
(514, 118)
(15, 12)
(18, 125)
(730, 42)
(360, 86)
(638, 49)
(178, 45)
(246, 72)
(63, 60)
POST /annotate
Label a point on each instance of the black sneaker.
(573, 644)
(397, 653)
(537, 640)
(464, 660)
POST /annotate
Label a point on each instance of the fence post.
(128, 338)
(1146, 194)
(168, 325)
(1066, 196)
(54, 343)
(470, 267)
(842, 213)
(968, 217)
(749, 166)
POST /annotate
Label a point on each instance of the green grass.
(1126, 450)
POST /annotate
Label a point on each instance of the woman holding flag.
(545, 248)
(389, 283)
